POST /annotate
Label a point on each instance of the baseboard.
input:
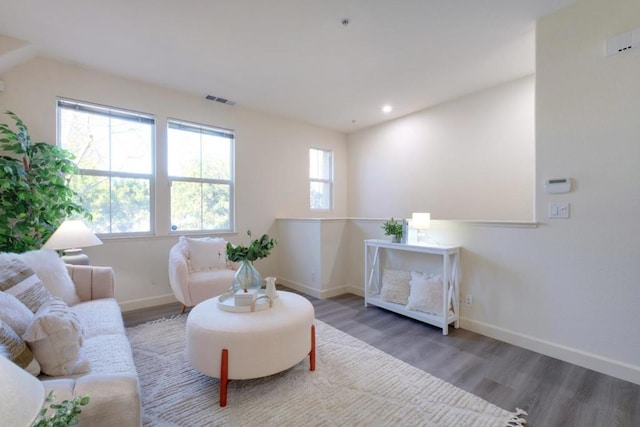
(147, 302)
(597, 363)
(322, 294)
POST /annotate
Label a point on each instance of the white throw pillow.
(395, 286)
(207, 253)
(55, 337)
(50, 268)
(14, 313)
(426, 293)
(19, 280)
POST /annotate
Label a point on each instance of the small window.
(114, 152)
(200, 167)
(321, 178)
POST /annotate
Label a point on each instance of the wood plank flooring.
(555, 393)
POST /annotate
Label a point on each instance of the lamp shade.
(421, 221)
(21, 395)
(72, 234)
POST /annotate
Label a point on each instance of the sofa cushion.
(109, 354)
(206, 253)
(100, 317)
(426, 293)
(19, 280)
(55, 338)
(53, 273)
(14, 313)
(17, 350)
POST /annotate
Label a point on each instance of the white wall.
(472, 158)
(271, 162)
(567, 288)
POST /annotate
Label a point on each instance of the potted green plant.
(34, 182)
(247, 277)
(393, 228)
(64, 413)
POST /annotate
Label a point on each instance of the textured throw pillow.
(14, 313)
(17, 279)
(426, 293)
(17, 350)
(55, 337)
(51, 270)
(207, 253)
(395, 286)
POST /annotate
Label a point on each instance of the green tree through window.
(200, 168)
(114, 152)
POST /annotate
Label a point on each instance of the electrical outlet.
(468, 300)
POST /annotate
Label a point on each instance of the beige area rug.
(354, 384)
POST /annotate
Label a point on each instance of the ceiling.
(293, 58)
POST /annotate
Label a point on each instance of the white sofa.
(112, 382)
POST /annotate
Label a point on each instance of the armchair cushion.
(206, 253)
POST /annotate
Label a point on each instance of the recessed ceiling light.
(386, 109)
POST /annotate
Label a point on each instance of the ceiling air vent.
(220, 100)
(622, 42)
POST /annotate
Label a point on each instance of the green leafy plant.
(34, 182)
(393, 228)
(257, 249)
(65, 413)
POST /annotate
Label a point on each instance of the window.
(200, 167)
(321, 178)
(114, 152)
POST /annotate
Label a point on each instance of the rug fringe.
(518, 419)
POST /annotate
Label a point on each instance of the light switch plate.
(559, 210)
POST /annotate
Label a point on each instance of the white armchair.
(198, 270)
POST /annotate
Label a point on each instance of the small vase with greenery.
(34, 182)
(247, 277)
(393, 228)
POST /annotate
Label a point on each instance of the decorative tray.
(227, 302)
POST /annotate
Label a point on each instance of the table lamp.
(70, 237)
(21, 395)
(420, 222)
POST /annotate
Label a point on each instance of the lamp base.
(75, 257)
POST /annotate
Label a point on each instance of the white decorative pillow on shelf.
(426, 293)
(395, 286)
(206, 253)
(50, 268)
(55, 336)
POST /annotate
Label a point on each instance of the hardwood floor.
(555, 393)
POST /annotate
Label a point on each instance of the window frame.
(121, 113)
(216, 131)
(328, 180)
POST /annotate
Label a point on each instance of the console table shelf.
(375, 250)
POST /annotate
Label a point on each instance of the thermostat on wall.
(557, 185)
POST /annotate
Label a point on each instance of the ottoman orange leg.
(224, 376)
(312, 353)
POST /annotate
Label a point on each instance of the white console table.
(374, 251)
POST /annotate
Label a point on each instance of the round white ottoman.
(236, 346)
